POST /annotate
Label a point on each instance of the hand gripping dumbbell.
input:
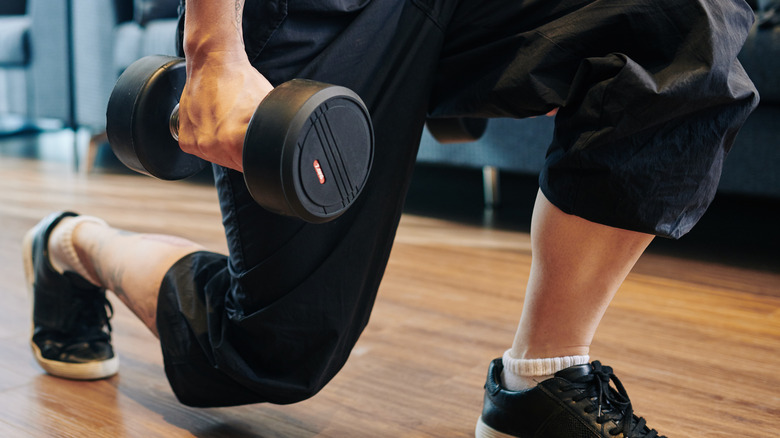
(307, 151)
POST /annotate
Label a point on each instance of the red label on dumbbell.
(318, 169)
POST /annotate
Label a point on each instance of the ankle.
(523, 373)
(62, 250)
(523, 349)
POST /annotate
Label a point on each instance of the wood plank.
(696, 343)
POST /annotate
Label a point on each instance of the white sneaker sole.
(485, 431)
(76, 371)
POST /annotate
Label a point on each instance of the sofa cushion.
(159, 38)
(751, 166)
(14, 44)
(127, 45)
(133, 41)
(148, 10)
(761, 58)
(516, 145)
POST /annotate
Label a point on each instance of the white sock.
(520, 374)
(62, 253)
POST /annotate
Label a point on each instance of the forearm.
(223, 89)
(213, 28)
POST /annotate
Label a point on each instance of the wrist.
(213, 28)
(201, 43)
(211, 56)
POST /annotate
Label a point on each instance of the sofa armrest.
(49, 57)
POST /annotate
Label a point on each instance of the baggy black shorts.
(650, 97)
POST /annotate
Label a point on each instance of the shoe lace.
(612, 404)
(92, 319)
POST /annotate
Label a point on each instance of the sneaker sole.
(485, 431)
(75, 371)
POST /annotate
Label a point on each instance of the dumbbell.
(307, 152)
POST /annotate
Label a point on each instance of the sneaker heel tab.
(52, 220)
(575, 372)
(37, 239)
(493, 382)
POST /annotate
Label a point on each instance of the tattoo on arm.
(113, 278)
(110, 276)
(239, 5)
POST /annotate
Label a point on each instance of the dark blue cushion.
(148, 10)
(761, 58)
(13, 7)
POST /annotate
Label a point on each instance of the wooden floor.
(696, 343)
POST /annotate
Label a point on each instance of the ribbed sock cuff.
(64, 245)
(540, 367)
(520, 374)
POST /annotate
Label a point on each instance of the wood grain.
(696, 344)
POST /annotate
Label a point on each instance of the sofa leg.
(490, 186)
(95, 140)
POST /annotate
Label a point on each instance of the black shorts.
(650, 96)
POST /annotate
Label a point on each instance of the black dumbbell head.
(308, 150)
(138, 119)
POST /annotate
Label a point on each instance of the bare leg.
(576, 270)
(128, 264)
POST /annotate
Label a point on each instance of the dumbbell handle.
(173, 122)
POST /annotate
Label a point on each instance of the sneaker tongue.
(80, 282)
(574, 372)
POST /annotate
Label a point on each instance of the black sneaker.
(577, 403)
(71, 335)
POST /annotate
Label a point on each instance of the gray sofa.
(34, 64)
(59, 60)
(108, 35)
